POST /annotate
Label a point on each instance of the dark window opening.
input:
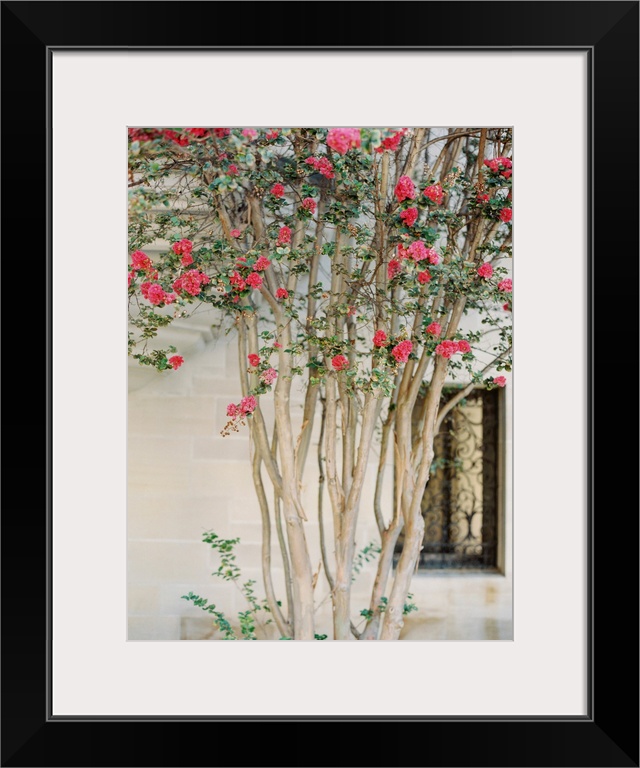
(461, 504)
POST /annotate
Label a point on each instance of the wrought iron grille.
(460, 503)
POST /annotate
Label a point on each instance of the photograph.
(320, 383)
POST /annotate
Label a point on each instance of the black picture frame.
(608, 31)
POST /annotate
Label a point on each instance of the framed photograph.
(554, 86)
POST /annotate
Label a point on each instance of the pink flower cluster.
(501, 165)
(191, 282)
(322, 165)
(392, 143)
(284, 236)
(269, 376)
(485, 270)
(405, 189)
(282, 293)
(424, 277)
(448, 348)
(141, 262)
(272, 134)
(235, 233)
(254, 360)
(198, 133)
(343, 139)
(254, 280)
(183, 248)
(379, 339)
(247, 405)
(393, 268)
(409, 216)
(175, 362)
(277, 190)
(177, 138)
(309, 204)
(506, 285)
(402, 351)
(155, 294)
(249, 133)
(506, 214)
(262, 262)
(339, 363)
(435, 329)
(221, 133)
(232, 170)
(499, 380)
(139, 134)
(435, 193)
(418, 251)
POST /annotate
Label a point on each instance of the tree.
(350, 257)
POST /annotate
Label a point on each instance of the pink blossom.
(235, 233)
(269, 376)
(176, 361)
(281, 293)
(237, 282)
(393, 268)
(254, 360)
(339, 363)
(499, 380)
(191, 282)
(309, 204)
(272, 134)
(483, 198)
(186, 259)
(343, 139)
(232, 410)
(199, 133)
(176, 137)
(322, 165)
(248, 404)
(284, 236)
(409, 216)
(183, 247)
(464, 346)
(392, 143)
(418, 252)
(403, 253)
(221, 132)
(492, 165)
(434, 192)
(485, 270)
(232, 170)
(379, 339)
(254, 280)
(170, 298)
(506, 285)
(405, 189)
(130, 276)
(156, 294)
(506, 214)
(275, 343)
(402, 351)
(261, 263)
(140, 261)
(447, 348)
(424, 277)
(435, 329)
(277, 190)
(250, 133)
(506, 308)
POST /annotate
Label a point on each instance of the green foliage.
(228, 570)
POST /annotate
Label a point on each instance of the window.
(461, 505)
